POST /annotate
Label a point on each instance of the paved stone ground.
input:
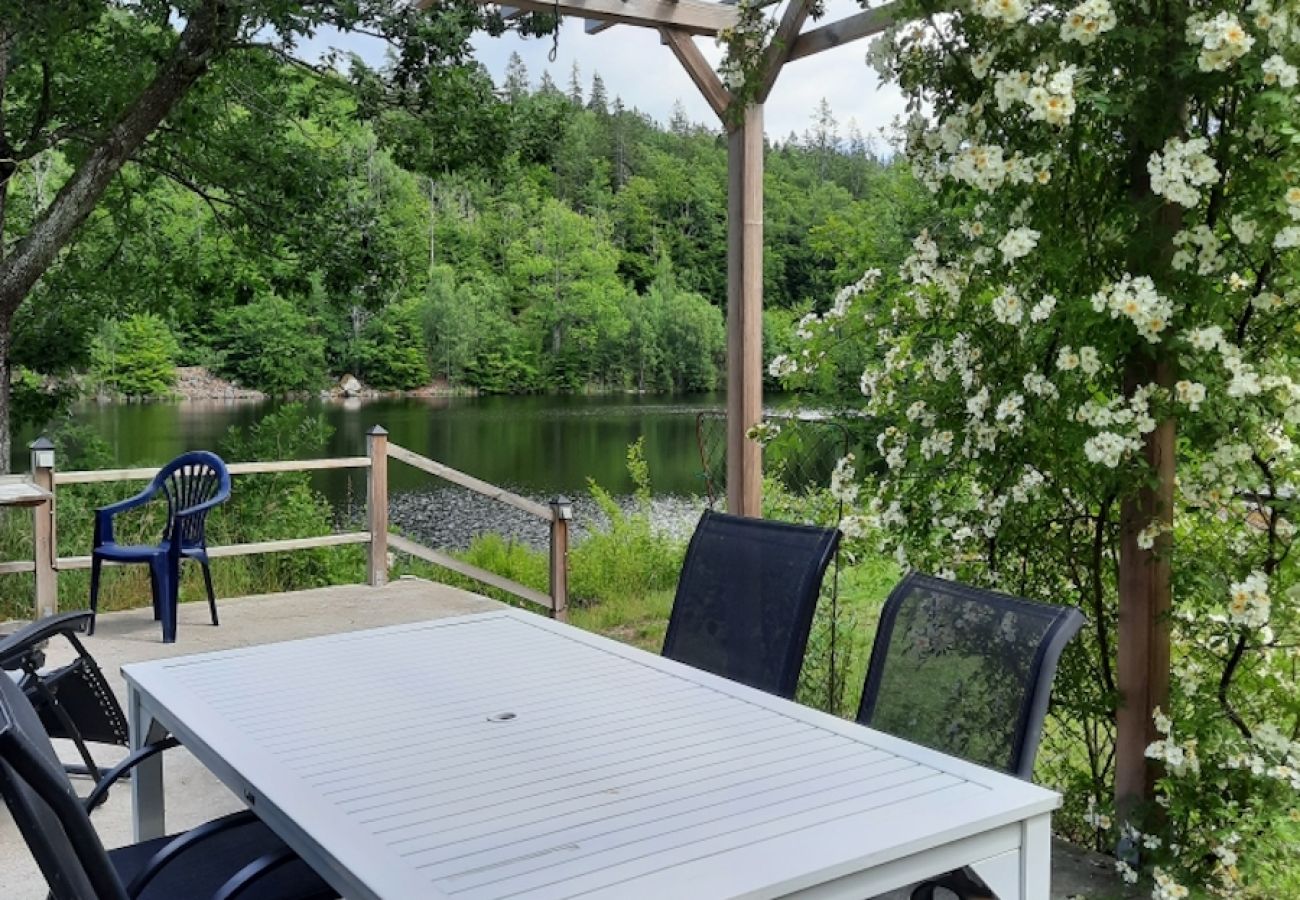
(194, 796)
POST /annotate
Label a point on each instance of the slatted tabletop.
(504, 755)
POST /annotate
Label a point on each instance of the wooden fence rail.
(557, 514)
(47, 563)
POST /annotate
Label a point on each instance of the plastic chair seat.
(202, 870)
(130, 552)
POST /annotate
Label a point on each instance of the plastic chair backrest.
(188, 480)
(966, 671)
(746, 598)
(46, 809)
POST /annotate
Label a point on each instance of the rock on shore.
(198, 383)
(451, 517)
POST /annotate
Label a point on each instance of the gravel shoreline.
(449, 517)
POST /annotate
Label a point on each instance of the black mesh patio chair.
(746, 597)
(73, 700)
(232, 857)
(967, 672)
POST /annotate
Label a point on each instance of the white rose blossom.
(1088, 21)
(1279, 72)
(1248, 601)
(1007, 307)
(1190, 393)
(1222, 39)
(1042, 310)
(1008, 12)
(1018, 243)
(844, 486)
(1180, 168)
(1137, 300)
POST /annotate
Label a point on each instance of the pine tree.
(575, 85)
(597, 101)
(859, 150)
(622, 171)
(679, 124)
(823, 139)
(547, 84)
(858, 146)
(516, 78)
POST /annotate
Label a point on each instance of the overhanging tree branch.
(208, 30)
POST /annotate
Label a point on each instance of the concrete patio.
(194, 796)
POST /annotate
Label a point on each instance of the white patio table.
(506, 755)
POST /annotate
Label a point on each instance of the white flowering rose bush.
(1114, 268)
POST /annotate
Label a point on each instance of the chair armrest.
(174, 848)
(104, 515)
(17, 645)
(259, 868)
(100, 793)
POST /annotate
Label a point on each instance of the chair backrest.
(46, 809)
(746, 598)
(966, 671)
(188, 480)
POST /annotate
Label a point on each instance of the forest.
(517, 237)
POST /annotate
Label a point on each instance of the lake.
(538, 445)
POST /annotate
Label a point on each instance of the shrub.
(629, 558)
(135, 356)
(271, 345)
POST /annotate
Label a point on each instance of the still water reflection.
(539, 445)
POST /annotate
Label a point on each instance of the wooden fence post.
(44, 545)
(377, 505)
(561, 513)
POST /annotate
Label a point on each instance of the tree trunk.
(208, 30)
(6, 383)
(1145, 599)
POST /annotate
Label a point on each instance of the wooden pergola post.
(1145, 600)
(745, 312)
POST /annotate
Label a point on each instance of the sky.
(635, 67)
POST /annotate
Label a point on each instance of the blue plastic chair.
(193, 484)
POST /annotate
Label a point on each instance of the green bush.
(392, 354)
(271, 345)
(135, 356)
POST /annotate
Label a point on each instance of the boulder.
(349, 386)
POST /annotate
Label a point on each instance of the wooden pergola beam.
(693, 16)
(697, 67)
(778, 51)
(844, 31)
